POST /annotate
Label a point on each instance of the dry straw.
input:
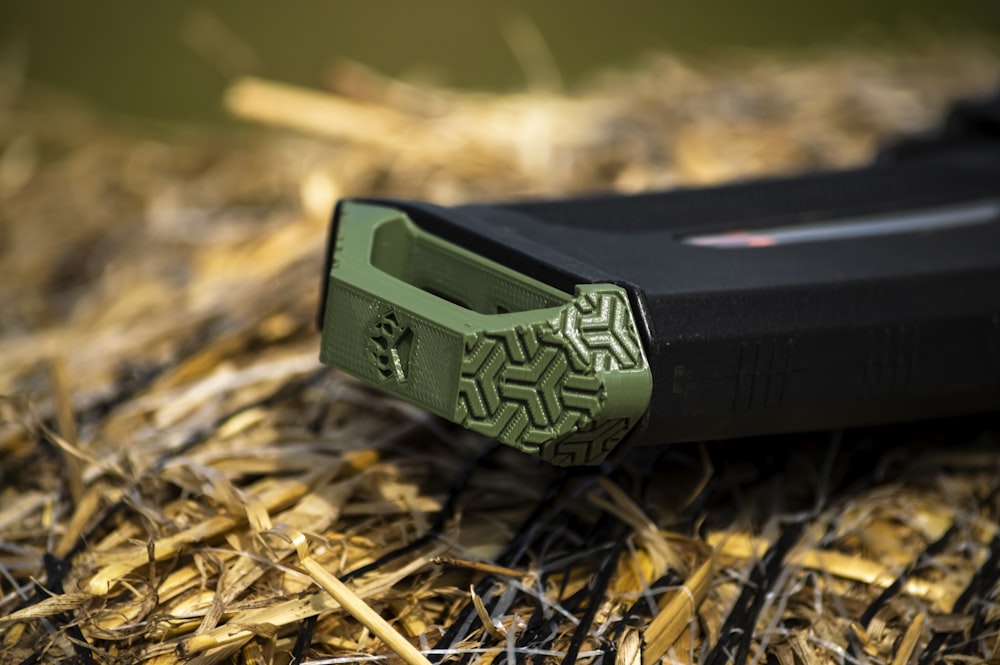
(180, 481)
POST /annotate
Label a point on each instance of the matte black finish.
(804, 336)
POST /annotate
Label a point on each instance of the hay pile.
(181, 482)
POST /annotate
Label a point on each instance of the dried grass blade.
(67, 427)
(354, 605)
(630, 648)
(484, 615)
(314, 111)
(85, 509)
(65, 602)
(482, 567)
(675, 616)
(909, 642)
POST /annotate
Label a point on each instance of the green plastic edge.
(559, 376)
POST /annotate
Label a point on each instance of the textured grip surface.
(559, 376)
(543, 387)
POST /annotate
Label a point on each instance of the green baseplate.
(556, 375)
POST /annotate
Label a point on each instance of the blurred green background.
(170, 60)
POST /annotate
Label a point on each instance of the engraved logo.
(390, 345)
